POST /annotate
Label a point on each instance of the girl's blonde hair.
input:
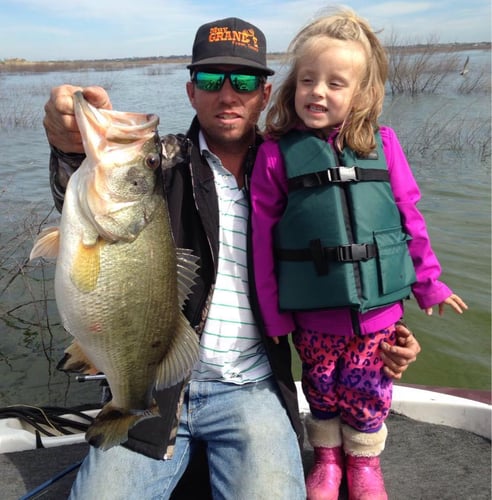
(357, 131)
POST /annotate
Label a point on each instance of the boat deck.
(421, 461)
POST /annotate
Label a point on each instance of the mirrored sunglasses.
(213, 82)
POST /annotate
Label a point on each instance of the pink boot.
(365, 478)
(323, 481)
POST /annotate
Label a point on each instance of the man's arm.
(62, 166)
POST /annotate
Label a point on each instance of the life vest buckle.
(342, 174)
(355, 252)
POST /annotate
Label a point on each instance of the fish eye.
(152, 160)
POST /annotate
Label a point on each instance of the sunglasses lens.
(244, 83)
(212, 82)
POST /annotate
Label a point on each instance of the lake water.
(447, 139)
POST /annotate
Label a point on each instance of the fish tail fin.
(181, 356)
(110, 427)
(47, 244)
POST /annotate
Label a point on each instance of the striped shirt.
(231, 347)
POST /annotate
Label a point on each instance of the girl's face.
(327, 84)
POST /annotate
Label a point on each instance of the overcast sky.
(98, 29)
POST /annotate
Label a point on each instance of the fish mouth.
(104, 129)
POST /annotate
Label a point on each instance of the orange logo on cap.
(244, 38)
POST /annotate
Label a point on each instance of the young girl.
(338, 244)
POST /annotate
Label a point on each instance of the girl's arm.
(268, 190)
(428, 290)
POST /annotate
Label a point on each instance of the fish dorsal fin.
(47, 244)
(182, 355)
(187, 264)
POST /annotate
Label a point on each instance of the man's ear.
(190, 90)
(267, 91)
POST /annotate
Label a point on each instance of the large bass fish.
(120, 283)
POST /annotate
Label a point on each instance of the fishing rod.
(89, 378)
(49, 482)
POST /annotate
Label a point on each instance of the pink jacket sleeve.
(268, 198)
(428, 290)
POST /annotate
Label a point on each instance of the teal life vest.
(340, 241)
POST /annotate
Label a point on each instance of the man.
(241, 400)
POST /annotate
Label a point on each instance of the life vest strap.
(337, 175)
(342, 253)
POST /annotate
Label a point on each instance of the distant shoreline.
(15, 65)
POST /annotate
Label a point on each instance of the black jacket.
(192, 201)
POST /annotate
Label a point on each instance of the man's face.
(228, 117)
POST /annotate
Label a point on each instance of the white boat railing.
(418, 404)
(435, 408)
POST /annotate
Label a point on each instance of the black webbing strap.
(342, 253)
(337, 175)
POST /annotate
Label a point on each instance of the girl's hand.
(454, 301)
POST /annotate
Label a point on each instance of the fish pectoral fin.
(181, 356)
(110, 427)
(47, 244)
(86, 266)
(76, 361)
(187, 273)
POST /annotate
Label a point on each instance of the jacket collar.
(204, 175)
